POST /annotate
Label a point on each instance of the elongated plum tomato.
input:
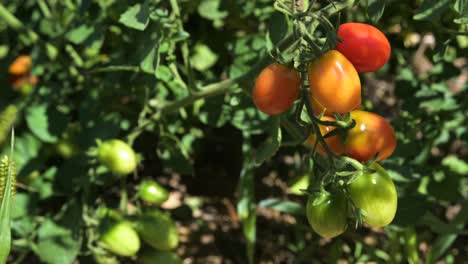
(372, 134)
(327, 214)
(334, 83)
(375, 194)
(120, 238)
(117, 156)
(333, 142)
(276, 89)
(153, 193)
(158, 230)
(364, 45)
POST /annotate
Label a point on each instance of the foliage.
(173, 79)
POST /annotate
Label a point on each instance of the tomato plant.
(120, 238)
(327, 214)
(117, 156)
(276, 89)
(372, 134)
(375, 194)
(364, 46)
(332, 69)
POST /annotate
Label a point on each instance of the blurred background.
(108, 69)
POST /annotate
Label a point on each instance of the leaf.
(460, 6)
(80, 34)
(283, 206)
(209, 9)
(203, 58)
(271, 145)
(431, 9)
(59, 242)
(440, 246)
(410, 210)
(375, 9)
(150, 60)
(46, 123)
(136, 17)
(455, 164)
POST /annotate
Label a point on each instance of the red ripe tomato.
(276, 89)
(333, 143)
(334, 83)
(364, 45)
(371, 134)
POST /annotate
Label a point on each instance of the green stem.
(15, 23)
(184, 48)
(356, 164)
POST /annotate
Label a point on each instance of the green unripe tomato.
(376, 195)
(117, 156)
(153, 193)
(158, 230)
(66, 148)
(121, 239)
(327, 214)
(156, 257)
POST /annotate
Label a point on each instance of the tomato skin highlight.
(364, 45)
(276, 89)
(334, 83)
(372, 134)
(120, 238)
(158, 230)
(375, 194)
(328, 218)
(155, 257)
(153, 193)
(117, 156)
(333, 143)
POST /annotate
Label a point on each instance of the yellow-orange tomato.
(333, 143)
(276, 89)
(21, 65)
(335, 83)
(371, 134)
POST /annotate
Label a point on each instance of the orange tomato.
(371, 134)
(364, 45)
(276, 89)
(333, 143)
(334, 83)
(21, 65)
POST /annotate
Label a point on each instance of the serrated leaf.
(431, 9)
(136, 16)
(271, 145)
(47, 124)
(203, 58)
(375, 9)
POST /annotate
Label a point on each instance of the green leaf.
(455, 164)
(411, 209)
(271, 145)
(46, 123)
(209, 9)
(203, 58)
(136, 17)
(80, 34)
(460, 6)
(150, 60)
(59, 242)
(283, 206)
(440, 246)
(375, 9)
(431, 9)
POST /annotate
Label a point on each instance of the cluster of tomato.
(335, 87)
(20, 76)
(121, 236)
